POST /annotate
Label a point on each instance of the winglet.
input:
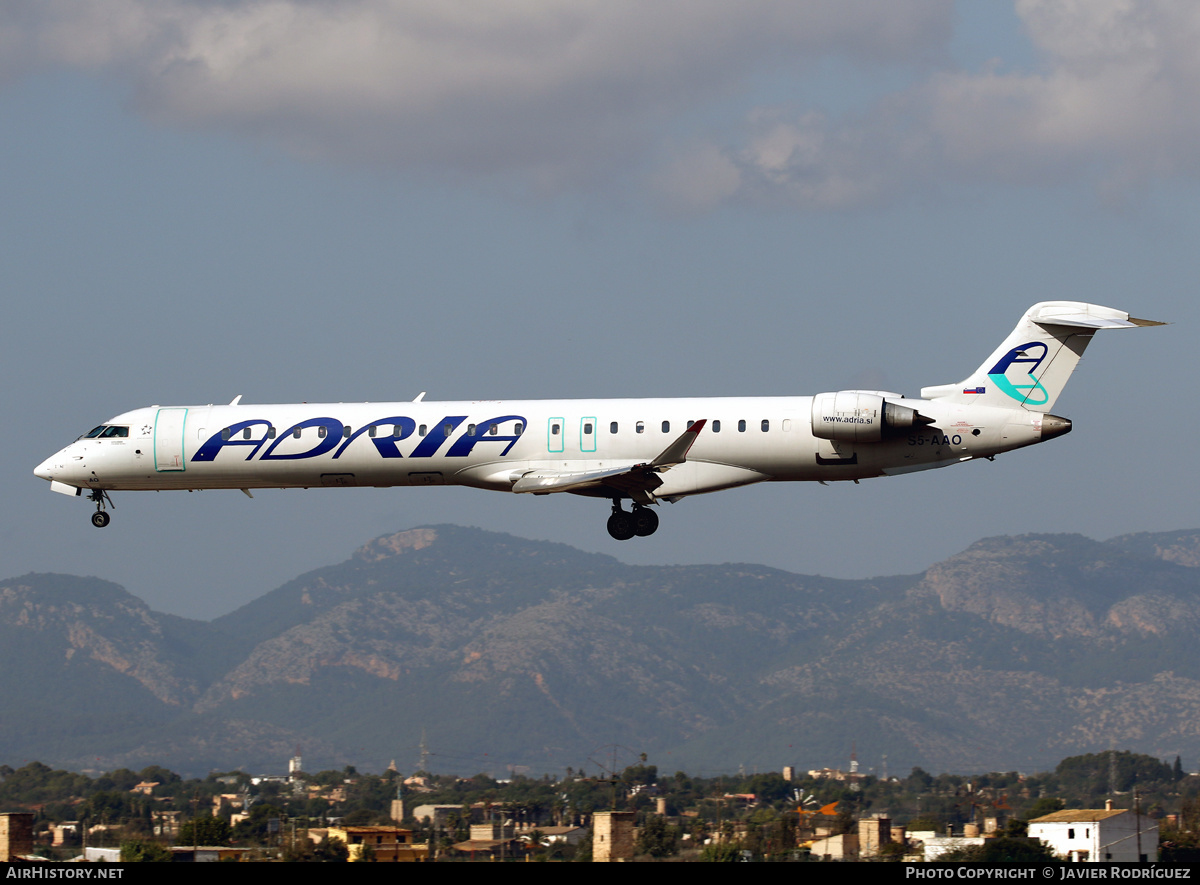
(237, 399)
(676, 452)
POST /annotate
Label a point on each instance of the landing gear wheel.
(621, 525)
(100, 519)
(645, 522)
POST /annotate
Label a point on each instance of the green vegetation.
(144, 851)
(207, 830)
(1002, 850)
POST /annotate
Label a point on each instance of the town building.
(612, 836)
(387, 844)
(1098, 835)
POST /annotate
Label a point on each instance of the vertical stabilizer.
(1032, 366)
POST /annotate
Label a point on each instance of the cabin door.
(168, 440)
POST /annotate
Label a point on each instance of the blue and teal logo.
(1026, 388)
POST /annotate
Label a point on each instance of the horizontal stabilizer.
(1086, 316)
(1031, 366)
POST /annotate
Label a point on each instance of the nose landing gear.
(623, 525)
(101, 518)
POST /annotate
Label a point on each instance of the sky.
(297, 201)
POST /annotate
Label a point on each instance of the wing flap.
(638, 480)
(548, 480)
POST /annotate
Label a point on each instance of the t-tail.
(1031, 368)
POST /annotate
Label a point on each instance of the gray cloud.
(1117, 103)
(569, 94)
(541, 87)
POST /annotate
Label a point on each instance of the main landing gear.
(623, 525)
(101, 518)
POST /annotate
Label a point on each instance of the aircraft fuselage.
(489, 444)
(641, 450)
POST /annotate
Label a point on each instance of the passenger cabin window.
(447, 428)
(666, 425)
(716, 425)
(346, 431)
(494, 429)
(470, 430)
(296, 433)
(520, 428)
(322, 430)
(766, 425)
(612, 428)
(689, 425)
(742, 426)
(787, 425)
(271, 432)
(225, 434)
(371, 430)
(421, 430)
(554, 430)
(641, 427)
(246, 433)
(398, 431)
(587, 428)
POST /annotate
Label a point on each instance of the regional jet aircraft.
(641, 450)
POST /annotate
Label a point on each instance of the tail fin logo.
(1026, 388)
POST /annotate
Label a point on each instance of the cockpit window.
(107, 431)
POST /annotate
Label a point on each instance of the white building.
(1098, 835)
(935, 846)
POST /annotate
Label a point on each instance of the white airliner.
(644, 450)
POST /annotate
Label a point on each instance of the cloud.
(576, 94)
(558, 90)
(1116, 104)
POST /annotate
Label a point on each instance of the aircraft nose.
(45, 470)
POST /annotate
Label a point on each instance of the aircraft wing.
(638, 481)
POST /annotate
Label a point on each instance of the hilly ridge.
(1011, 654)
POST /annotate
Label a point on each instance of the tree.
(640, 774)
(144, 851)
(1177, 770)
(1045, 805)
(158, 774)
(657, 838)
(257, 826)
(1002, 850)
(920, 780)
(769, 787)
(1092, 772)
(331, 851)
(207, 830)
(726, 852)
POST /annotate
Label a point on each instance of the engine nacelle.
(861, 416)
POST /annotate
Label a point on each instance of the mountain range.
(490, 651)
